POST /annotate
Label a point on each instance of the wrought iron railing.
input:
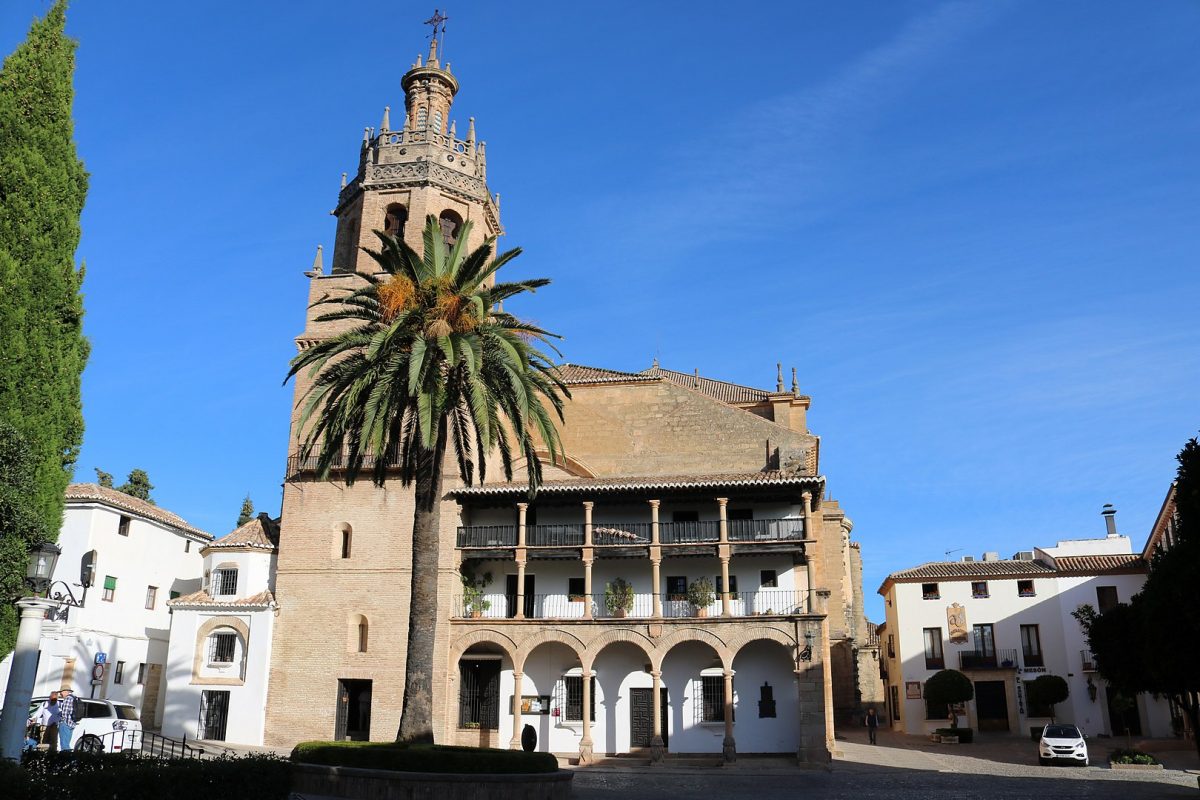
(765, 530)
(625, 534)
(142, 744)
(487, 536)
(1087, 660)
(559, 535)
(605, 534)
(562, 605)
(689, 532)
(987, 659)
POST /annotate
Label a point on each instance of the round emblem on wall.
(449, 158)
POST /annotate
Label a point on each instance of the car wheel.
(89, 744)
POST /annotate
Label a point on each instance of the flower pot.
(476, 613)
(619, 613)
(701, 612)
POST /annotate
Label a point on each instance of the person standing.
(66, 726)
(48, 716)
(872, 723)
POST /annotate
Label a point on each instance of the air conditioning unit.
(991, 556)
(968, 558)
(1023, 555)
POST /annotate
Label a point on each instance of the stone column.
(585, 742)
(729, 747)
(657, 751)
(726, 611)
(809, 550)
(21, 675)
(587, 523)
(522, 509)
(723, 550)
(655, 558)
(515, 742)
(812, 750)
(826, 667)
(520, 590)
(587, 587)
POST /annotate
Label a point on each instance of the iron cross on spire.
(438, 21)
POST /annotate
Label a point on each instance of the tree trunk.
(416, 716)
(1188, 702)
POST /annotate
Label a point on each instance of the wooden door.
(641, 716)
(150, 690)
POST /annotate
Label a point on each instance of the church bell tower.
(418, 168)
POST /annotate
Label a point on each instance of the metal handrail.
(148, 744)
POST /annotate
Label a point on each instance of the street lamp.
(39, 579)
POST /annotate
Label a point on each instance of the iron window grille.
(979, 590)
(573, 711)
(479, 694)
(712, 698)
(225, 581)
(221, 647)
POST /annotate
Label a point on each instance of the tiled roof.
(257, 534)
(572, 374)
(724, 391)
(83, 492)
(1101, 564)
(203, 598)
(772, 478)
(972, 569)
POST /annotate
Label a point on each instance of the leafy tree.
(949, 687)
(1048, 690)
(1153, 644)
(247, 513)
(42, 348)
(431, 362)
(138, 485)
(103, 478)
(20, 525)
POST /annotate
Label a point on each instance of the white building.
(220, 647)
(143, 556)
(1005, 622)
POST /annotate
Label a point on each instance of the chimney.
(1110, 520)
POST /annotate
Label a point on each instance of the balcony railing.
(1032, 659)
(630, 534)
(562, 605)
(1088, 660)
(984, 659)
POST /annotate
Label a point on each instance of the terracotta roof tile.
(203, 598)
(724, 391)
(573, 374)
(1100, 564)
(254, 534)
(771, 478)
(83, 492)
(972, 569)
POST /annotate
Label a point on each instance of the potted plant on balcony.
(701, 595)
(474, 603)
(618, 597)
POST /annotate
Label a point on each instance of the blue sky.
(973, 228)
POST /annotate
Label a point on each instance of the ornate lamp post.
(39, 580)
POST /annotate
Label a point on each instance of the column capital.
(727, 672)
(654, 503)
(656, 673)
(806, 495)
(589, 504)
(518, 674)
(722, 501)
(522, 506)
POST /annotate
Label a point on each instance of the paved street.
(900, 767)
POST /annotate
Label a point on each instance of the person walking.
(66, 726)
(872, 723)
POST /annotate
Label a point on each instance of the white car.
(1062, 743)
(104, 726)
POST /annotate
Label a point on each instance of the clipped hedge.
(1126, 755)
(424, 758)
(75, 776)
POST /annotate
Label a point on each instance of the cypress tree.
(247, 512)
(42, 189)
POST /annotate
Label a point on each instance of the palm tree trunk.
(416, 716)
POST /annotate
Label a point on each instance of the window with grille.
(221, 647)
(712, 698)
(720, 584)
(929, 591)
(933, 649)
(479, 694)
(979, 589)
(677, 587)
(437, 121)
(768, 579)
(224, 581)
(574, 705)
(1031, 646)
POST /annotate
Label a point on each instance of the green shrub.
(72, 776)
(965, 735)
(435, 758)
(1126, 755)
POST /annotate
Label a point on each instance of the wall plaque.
(956, 619)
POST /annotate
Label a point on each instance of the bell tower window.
(437, 121)
(422, 117)
(394, 220)
(451, 224)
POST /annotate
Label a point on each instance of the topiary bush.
(949, 687)
(426, 758)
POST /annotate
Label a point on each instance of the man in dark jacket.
(872, 723)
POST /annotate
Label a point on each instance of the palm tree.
(431, 360)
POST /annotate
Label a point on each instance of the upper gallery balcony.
(626, 534)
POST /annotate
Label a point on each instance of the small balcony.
(645, 605)
(1032, 660)
(987, 659)
(1087, 660)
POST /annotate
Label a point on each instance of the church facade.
(681, 583)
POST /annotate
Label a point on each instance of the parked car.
(103, 725)
(1062, 743)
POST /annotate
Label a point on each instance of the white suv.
(103, 726)
(1062, 742)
